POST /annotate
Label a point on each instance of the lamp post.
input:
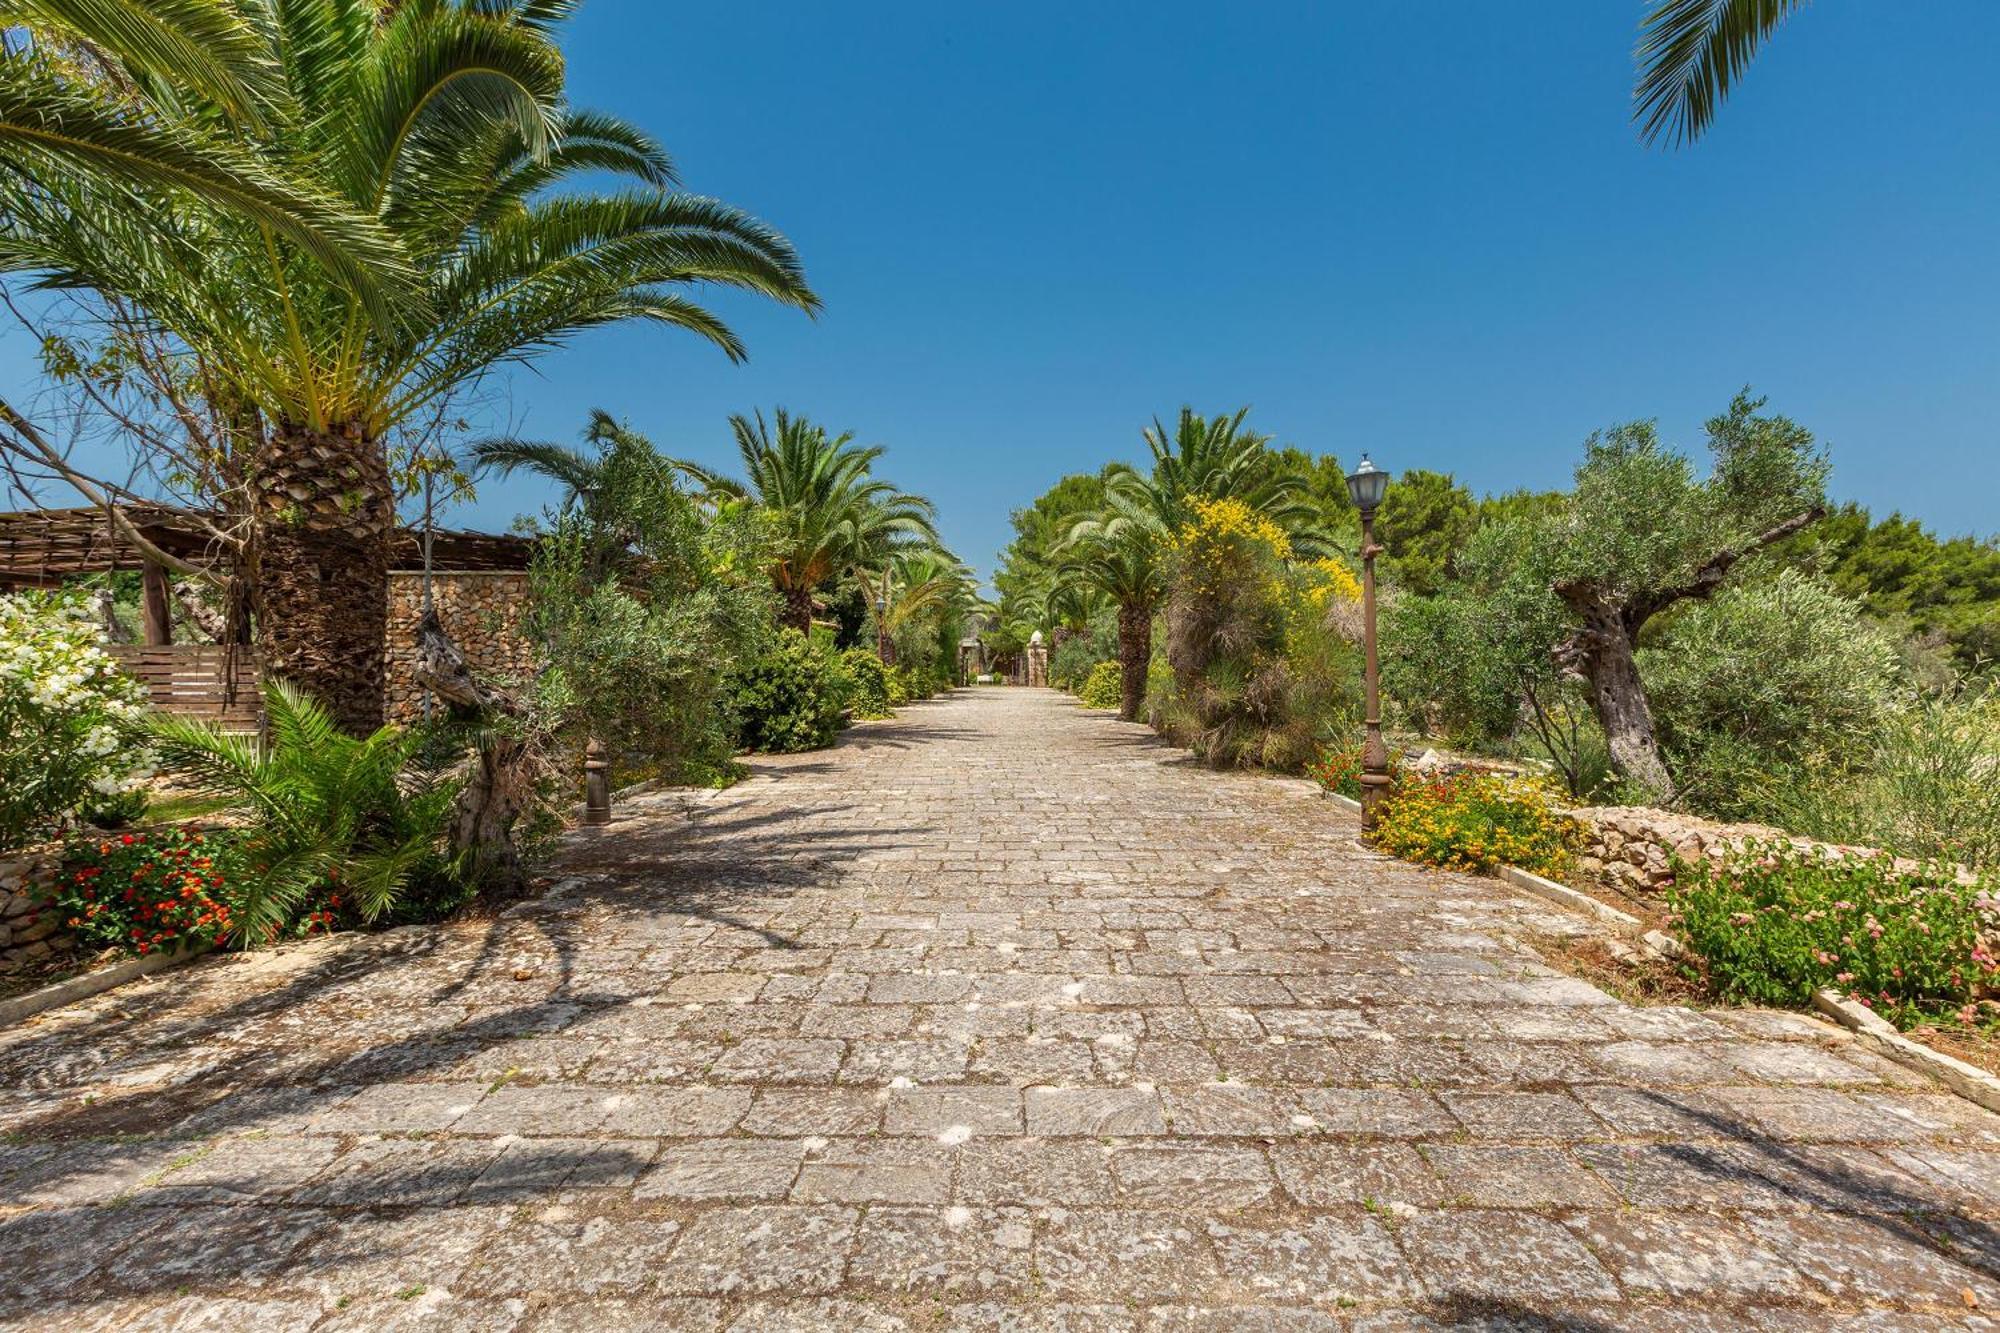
(1365, 487)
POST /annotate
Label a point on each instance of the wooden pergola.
(46, 547)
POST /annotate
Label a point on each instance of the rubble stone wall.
(29, 931)
(485, 613)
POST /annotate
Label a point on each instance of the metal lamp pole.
(1365, 487)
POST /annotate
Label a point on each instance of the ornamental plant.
(790, 697)
(66, 713)
(871, 695)
(1773, 923)
(1103, 687)
(1476, 822)
(161, 890)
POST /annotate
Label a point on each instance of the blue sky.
(1422, 229)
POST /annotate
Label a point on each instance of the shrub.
(342, 829)
(1262, 669)
(1928, 785)
(1768, 679)
(1104, 687)
(869, 695)
(790, 697)
(1476, 822)
(157, 890)
(638, 645)
(66, 717)
(1073, 661)
(1776, 922)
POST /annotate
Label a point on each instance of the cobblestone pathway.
(1000, 1016)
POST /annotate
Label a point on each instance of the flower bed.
(1775, 922)
(1476, 823)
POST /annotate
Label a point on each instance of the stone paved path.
(1000, 1016)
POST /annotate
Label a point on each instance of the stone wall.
(484, 612)
(29, 933)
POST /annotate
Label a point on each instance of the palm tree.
(444, 123)
(1219, 458)
(354, 823)
(830, 515)
(1691, 52)
(56, 121)
(912, 584)
(1120, 553)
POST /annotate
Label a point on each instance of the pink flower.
(1843, 977)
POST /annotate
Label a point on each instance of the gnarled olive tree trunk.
(501, 777)
(322, 516)
(1601, 652)
(1135, 652)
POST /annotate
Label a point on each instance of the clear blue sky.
(1422, 229)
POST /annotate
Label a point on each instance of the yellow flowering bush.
(1477, 822)
(1262, 673)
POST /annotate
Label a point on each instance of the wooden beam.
(156, 604)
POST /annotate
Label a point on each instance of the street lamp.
(1365, 487)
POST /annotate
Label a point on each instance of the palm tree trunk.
(798, 610)
(1135, 652)
(322, 518)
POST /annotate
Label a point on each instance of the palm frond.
(1690, 54)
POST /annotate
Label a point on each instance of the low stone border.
(1626, 923)
(87, 984)
(1347, 803)
(1968, 1081)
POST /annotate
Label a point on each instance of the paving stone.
(762, 1249)
(1511, 1176)
(1894, 1260)
(1327, 1261)
(672, 1112)
(797, 1112)
(1523, 1116)
(532, 1169)
(369, 1254)
(886, 1171)
(1192, 1177)
(954, 1250)
(1390, 1113)
(559, 1251)
(1136, 1256)
(1688, 1256)
(954, 1114)
(1517, 1257)
(1229, 1108)
(722, 1169)
(1328, 1175)
(1036, 1172)
(1097, 1112)
(773, 1060)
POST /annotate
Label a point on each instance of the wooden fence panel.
(193, 679)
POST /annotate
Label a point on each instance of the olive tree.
(1644, 531)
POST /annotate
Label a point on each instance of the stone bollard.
(596, 784)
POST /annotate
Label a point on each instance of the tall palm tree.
(444, 123)
(1691, 52)
(831, 516)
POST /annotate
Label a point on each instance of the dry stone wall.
(30, 933)
(485, 613)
